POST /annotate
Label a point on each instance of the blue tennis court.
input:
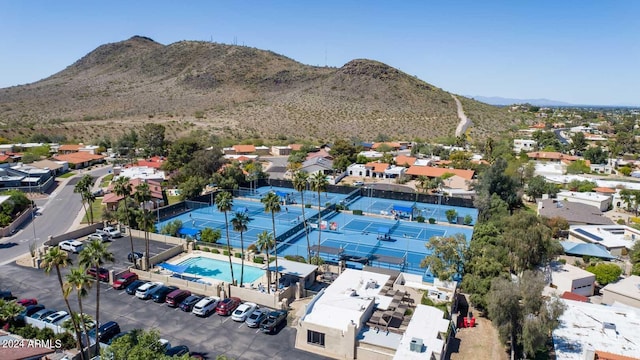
(398, 229)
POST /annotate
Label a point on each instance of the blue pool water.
(218, 269)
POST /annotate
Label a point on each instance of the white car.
(73, 246)
(56, 317)
(98, 236)
(144, 292)
(206, 306)
(243, 311)
(110, 231)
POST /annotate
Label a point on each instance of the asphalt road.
(58, 212)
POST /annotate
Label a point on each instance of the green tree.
(55, 258)
(210, 235)
(318, 182)
(172, 228)
(181, 153)
(578, 142)
(300, 183)
(78, 280)
(265, 242)
(142, 195)
(446, 258)
(451, 215)
(152, 139)
(631, 199)
(528, 241)
(271, 203)
(224, 203)
(139, 345)
(239, 223)
(605, 272)
(9, 309)
(192, 187)
(122, 187)
(495, 181)
(538, 186)
(84, 187)
(596, 155)
(146, 222)
(95, 254)
(578, 167)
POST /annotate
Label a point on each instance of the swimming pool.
(218, 269)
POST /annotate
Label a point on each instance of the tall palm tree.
(224, 202)
(78, 280)
(271, 204)
(319, 183)
(79, 188)
(264, 243)
(122, 188)
(422, 183)
(95, 254)
(9, 309)
(300, 182)
(146, 221)
(142, 196)
(239, 223)
(55, 258)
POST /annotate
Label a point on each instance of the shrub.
(605, 272)
(225, 252)
(296, 258)
(562, 261)
(357, 212)
(258, 260)
(432, 220)
(238, 255)
(451, 215)
(420, 218)
(308, 206)
(621, 222)
(253, 248)
(215, 251)
(467, 219)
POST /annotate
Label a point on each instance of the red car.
(176, 297)
(27, 302)
(101, 274)
(225, 307)
(124, 280)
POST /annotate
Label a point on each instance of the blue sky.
(582, 52)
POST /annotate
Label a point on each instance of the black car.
(273, 321)
(177, 350)
(106, 331)
(29, 310)
(188, 303)
(160, 295)
(131, 289)
(134, 256)
(6, 295)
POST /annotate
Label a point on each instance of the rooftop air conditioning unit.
(415, 345)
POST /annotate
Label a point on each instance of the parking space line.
(257, 331)
(225, 320)
(241, 324)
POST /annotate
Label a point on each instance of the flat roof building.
(617, 239)
(625, 291)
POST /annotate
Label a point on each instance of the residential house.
(461, 179)
(263, 150)
(524, 144)
(395, 146)
(280, 150)
(601, 202)
(56, 167)
(315, 164)
(140, 172)
(322, 153)
(407, 161)
(569, 278)
(158, 198)
(624, 291)
(239, 150)
(79, 160)
(617, 239)
(69, 148)
(371, 154)
(551, 156)
(575, 213)
(153, 162)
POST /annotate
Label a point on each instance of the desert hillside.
(235, 91)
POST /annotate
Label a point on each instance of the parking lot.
(209, 336)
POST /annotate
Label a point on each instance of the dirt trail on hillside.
(465, 122)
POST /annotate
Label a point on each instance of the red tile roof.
(155, 188)
(551, 155)
(603, 355)
(604, 190)
(78, 157)
(575, 297)
(431, 171)
(295, 147)
(321, 153)
(394, 145)
(244, 149)
(402, 160)
(377, 166)
(69, 147)
(154, 162)
(4, 158)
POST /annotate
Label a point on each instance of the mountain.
(500, 101)
(234, 91)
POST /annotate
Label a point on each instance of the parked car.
(243, 311)
(6, 295)
(124, 280)
(256, 318)
(273, 321)
(206, 306)
(107, 331)
(175, 297)
(132, 256)
(166, 345)
(133, 287)
(177, 351)
(29, 310)
(160, 294)
(56, 317)
(73, 246)
(145, 291)
(27, 302)
(98, 236)
(226, 306)
(101, 274)
(188, 303)
(110, 231)
(42, 314)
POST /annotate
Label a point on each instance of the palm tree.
(318, 183)
(422, 183)
(272, 205)
(78, 280)
(95, 254)
(146, 221)
(122, 188)
(264, 243)
(224, 202)
(239, 223)
(9, 309)
(300, 182)
(55, 258)
(142, 196)
(79, 189)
